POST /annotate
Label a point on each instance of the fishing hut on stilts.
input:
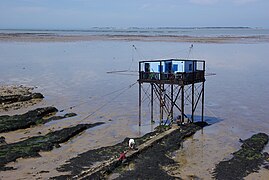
(173, 82)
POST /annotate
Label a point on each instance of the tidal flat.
(72, 76)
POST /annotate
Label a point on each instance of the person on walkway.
(122, 156)
(131, 144)
(122, 159)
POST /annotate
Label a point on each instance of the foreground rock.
(16, 97)
(34, 117)
(31, 146)
(147, 162)
(245, 161)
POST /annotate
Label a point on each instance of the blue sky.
(83, 14)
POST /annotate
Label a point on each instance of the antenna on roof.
(190, 51)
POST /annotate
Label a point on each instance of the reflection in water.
(69, 74)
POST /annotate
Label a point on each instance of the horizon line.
(134, 27)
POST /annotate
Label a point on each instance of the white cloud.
(157, 7)
(244, 1)
(209, 2)
(30, 10)
(145, 6)
(205, 2)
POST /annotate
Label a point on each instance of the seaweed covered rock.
(31, 146)
(245, 161)
(2, 141)
(34, 117)
(19, 98)
(54, 118)
(16, 97)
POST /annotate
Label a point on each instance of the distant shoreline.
(54, 37)
(216, 27)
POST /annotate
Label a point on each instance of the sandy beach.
(70, 71)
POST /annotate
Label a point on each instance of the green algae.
(30, 147)
(245, 161)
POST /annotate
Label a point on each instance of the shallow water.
(73, 74)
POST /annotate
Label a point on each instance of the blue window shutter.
(175, 67)
(160, 68)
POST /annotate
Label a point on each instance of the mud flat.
(33, 145)
(16, 97)
(34, 117)
(245, 161)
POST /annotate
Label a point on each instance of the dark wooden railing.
(175, 78)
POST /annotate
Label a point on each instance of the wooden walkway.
(102, 166)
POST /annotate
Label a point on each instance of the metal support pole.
(139, 94)
(161, 96)
(139, 109)
(161, 102)
(182, 103)
(203, 101)
(152, 97)
(192, 99)
(172, 102)
(192, 104)
(203, 94)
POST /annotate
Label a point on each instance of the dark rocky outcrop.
(14, 97)
(19, 98)
(245, 161)
(33, 145)
(34, 117)
(67, 115)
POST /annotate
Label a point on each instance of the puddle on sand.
(262, 174)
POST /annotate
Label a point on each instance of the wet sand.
(49, 37)
(69, 72)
